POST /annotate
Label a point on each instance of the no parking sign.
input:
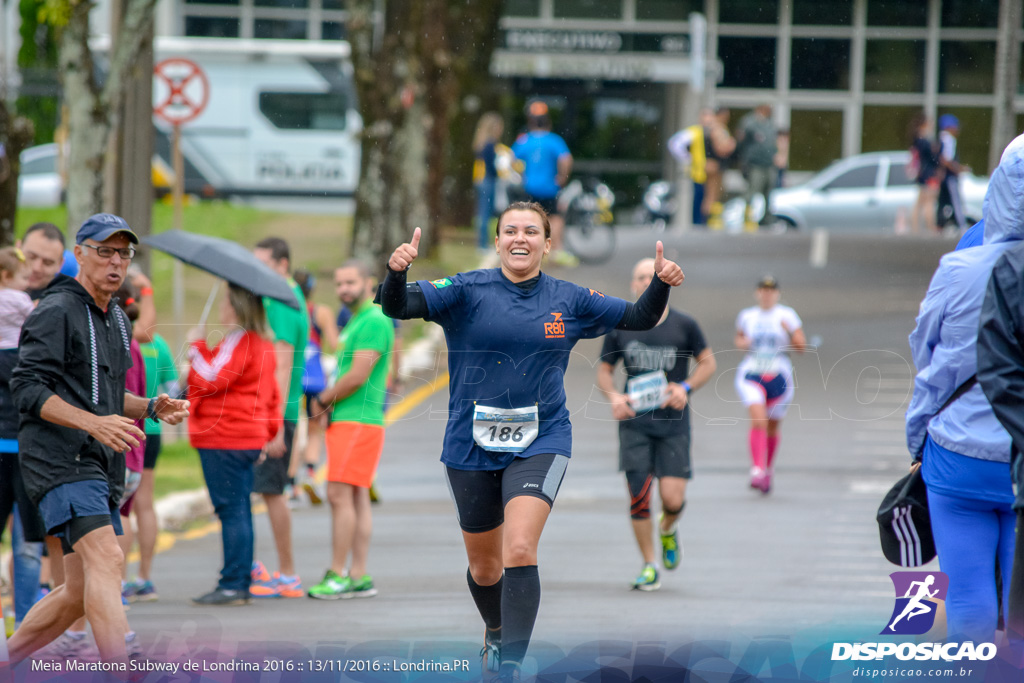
(181, 90)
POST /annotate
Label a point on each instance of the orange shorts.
(353, 452)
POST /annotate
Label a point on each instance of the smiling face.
(102, 277)
(521, 244)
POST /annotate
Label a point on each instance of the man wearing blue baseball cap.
(950, 204)
(77, 421)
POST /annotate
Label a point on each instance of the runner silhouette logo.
(918, 595)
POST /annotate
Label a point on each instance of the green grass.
(177, 469)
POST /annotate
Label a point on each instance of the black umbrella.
(225, 259)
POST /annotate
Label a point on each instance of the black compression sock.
(488, 601)
(520, 601)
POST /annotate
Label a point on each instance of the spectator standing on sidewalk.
(951, 205)
(547, 166)
(290, 329)
(756, 147)
(236, 417)
(355, 438)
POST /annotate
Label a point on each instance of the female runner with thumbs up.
(510, 331)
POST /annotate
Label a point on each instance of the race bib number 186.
(505, 430)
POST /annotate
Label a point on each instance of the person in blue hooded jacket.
(963, 449)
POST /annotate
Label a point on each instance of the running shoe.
(259, 573)
(490, 653)
(510, 674)
(670, 548)
(648, 579)
(222, 597)
(758, 479)
(331, 588)
(69, 646)
(141, 591)
(133, 645)
(280, 586)
(361, 588)
(314, 496)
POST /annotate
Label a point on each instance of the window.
(887, 128)
(211, 27)
(293, 29)
(748, 12)
(966, 67)
(304, 110)
(820, 64)
(588, 9)
(816, 138)
(332, 4)
(897, 13)
(332, 30)
(858, 178)
(970, 13)
(282, 4)
(816, 12)
(747, 62)
(898, 176)
(667, 10)
(211, 2)
(522, 8)
(894, 66)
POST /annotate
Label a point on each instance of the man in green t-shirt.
(355, 438)
(291, 329)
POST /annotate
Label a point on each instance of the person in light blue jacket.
(963, 450)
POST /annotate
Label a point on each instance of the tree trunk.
(95, 112)
(16, 133)
(409, 83)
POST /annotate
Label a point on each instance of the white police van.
(281, 119)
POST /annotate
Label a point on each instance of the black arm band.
(646, 312)
(399, 299)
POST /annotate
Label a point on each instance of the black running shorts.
(480, 496)
(661, 456)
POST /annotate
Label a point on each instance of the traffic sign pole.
(182, 93)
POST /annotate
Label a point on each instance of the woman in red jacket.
(236, 412)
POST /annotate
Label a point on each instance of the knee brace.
(641, 485)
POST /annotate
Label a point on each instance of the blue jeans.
(229, 476)
(26, 569)
(484, 212)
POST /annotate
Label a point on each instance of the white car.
(862, 192)
(40, 183)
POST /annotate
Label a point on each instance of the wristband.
(150, 411)
(686, 387)
(146, 291)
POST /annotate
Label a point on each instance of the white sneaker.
(67, 646)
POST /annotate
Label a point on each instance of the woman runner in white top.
(764, 379)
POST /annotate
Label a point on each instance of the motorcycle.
(658, 206)
(589, 222)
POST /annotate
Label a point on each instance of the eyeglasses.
(108, 252)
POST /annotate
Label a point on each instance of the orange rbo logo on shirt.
(556, 328)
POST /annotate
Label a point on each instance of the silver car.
(40, 183)
(864, 192)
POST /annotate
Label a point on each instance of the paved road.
(801, 564)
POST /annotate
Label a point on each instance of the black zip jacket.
(1001, 354)
(8, 411)
(71, 349)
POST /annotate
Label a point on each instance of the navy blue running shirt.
(509, 349)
